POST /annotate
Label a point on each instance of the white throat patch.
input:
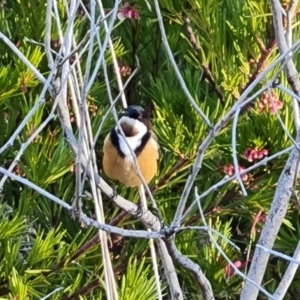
(133, 141)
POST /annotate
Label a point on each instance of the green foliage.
(136, 283)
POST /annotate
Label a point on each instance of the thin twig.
(28, 142)
(39, 102)
(53, 292)
(212, 239)
(206, 71)
(86, 139)
(285, 183)
(289, 40)
(170, 272)
(227, 179)
(47, 39)
(194, 268)
(22, 57)
(279, 254)
(281, 121)
(289, 275)
(216, 129)
(175, 67)
(114, 58)
(234, 155)
(151, 245)
(88, 221)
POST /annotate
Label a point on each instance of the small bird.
(118, 161)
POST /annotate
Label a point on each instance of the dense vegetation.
(220, 47)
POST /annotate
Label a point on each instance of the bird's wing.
(154, 137)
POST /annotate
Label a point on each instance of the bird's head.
(136, 114)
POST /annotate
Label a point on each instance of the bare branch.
(278, 254)
(172, 60)
(22, 57)
(147, 217)
(273, 223)
(227, 179)
(151, 245)
(285, 183)
(114, 58)
(234, 155)
(288, 275)
(206, 71)
(48, 34)
(28, 142)
(212, 239)
(290, 69)
(289, 15)
(36, 106)
(53, 292)
(289, 39)
(188, 264)
(176, 292)
(216, 129)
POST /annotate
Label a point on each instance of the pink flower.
(269, 101)
(254, 154)
(258, 219)
(124, 70)
(128, 12)
(229, 170)
(230, 271)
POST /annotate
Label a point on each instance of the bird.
(118, 161)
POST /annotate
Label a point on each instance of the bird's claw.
(114, 194)
(139, 210)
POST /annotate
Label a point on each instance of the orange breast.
(124, 170)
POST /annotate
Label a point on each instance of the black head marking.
(134, 112)
(116, 142)
(138, 113)
(144, 141)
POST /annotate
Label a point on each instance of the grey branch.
(285, 183)
(217, 128)
(188, 264)
(288, 275)
(147, 216)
